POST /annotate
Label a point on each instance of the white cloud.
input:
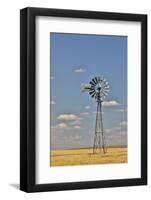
(110, 103)
(68, 117)
(122, 110)
(87, 107)
(76, 122)
(123, 123)
(52, 77)
(53, 102)
(61, 126)
(76, 127)
(80, 70)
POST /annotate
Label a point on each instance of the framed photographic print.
(83, 95)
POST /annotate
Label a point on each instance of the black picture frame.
(28, 99)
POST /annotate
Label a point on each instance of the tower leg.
(95, 144)
(99, 132)
(102, 130)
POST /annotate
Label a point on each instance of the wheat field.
(85, 156)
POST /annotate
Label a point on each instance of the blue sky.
(74, 60)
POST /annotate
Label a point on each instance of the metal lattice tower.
(98, 88)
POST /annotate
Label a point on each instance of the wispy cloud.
(95, 112)
(122, 110)
(87, 107)
(110, 103)
(123, 123)
(80, 70)
(84, 113)
(119, 130)
(52, 77)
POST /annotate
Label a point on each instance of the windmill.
(98, 88)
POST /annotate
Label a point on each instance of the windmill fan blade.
(96, 79)
(104, 83)
(91, 92)
(92, 86)
(104, 93)
(92, 83)
(106, 87)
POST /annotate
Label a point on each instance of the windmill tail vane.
(98, 89)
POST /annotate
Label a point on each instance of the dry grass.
(85, 156)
